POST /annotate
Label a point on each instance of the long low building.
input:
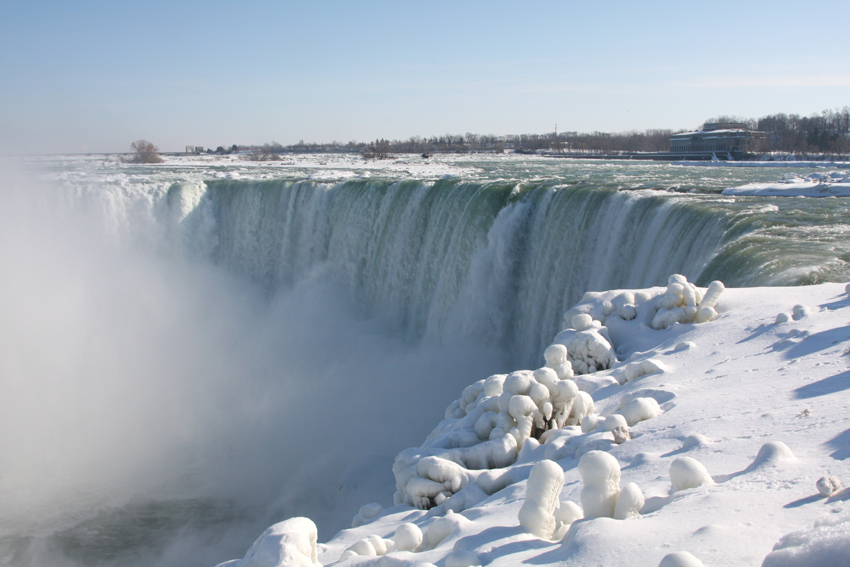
(720, 140)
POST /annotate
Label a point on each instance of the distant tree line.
(824, 133)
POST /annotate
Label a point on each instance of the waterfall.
(448, 260)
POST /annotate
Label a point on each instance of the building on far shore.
(716, 140)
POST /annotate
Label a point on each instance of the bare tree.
(145, 152)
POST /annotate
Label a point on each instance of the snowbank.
(602, 455)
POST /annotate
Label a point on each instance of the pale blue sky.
(92, 76)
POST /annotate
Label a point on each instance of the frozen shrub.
(629, 502)
(686, 472)
(485, 429)
(537, 514)
(588, 346)
(582, 407)
(828, 485)
(292, 542)
(680, 559)
(408, 537)
(685, 303)
(600, 474)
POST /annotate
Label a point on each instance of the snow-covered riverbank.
(758, 397)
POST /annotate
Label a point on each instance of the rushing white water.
(188, 354)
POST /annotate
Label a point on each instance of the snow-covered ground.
(832, 184)
(733, 444)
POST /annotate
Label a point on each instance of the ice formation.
(538, 513)
(600, 474)
(687, 472)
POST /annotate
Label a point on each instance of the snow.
(739, 439)
(831, 184)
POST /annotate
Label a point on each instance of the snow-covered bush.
(292, 542)
(557, 359)
(588, 345)
(537, 514)
(683, 302)
(486, 428)
(600, 474)
(687, 472)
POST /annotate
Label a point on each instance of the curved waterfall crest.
(450, 259)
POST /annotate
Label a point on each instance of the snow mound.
(827, 543)
(291, 543)
(687, 472)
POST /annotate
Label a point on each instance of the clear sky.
(93, 76)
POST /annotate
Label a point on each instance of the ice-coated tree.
(145, 152)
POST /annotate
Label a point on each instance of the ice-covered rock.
(828, 485)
